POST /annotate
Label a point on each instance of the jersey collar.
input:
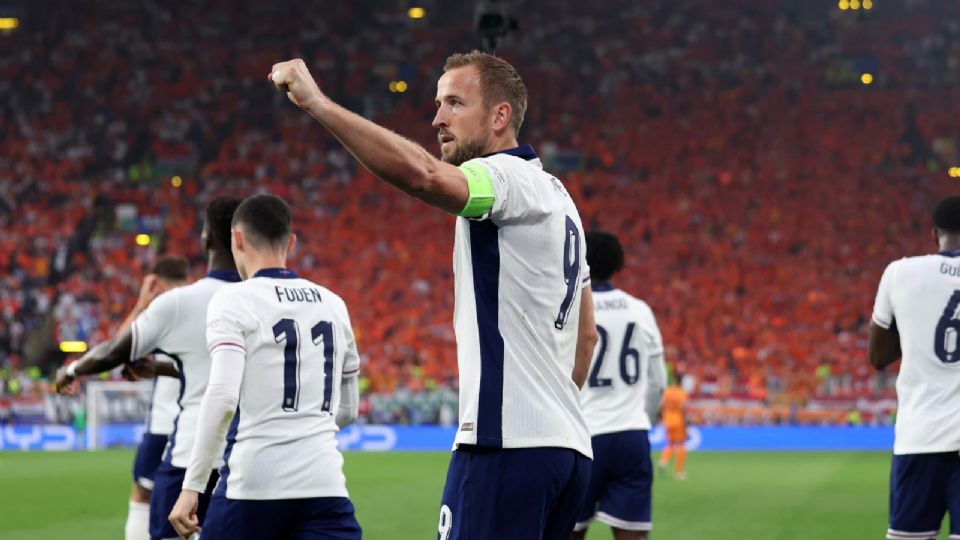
(952, 253)
(224, 275)
(523, 152)
(602, 287)
(279, 273)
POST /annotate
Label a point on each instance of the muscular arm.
(884, 345)
(390, 157)
(106, 355)
(586, 338)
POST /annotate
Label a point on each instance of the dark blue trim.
(278, 273)
(602, 287)
(153, 396)
(485, 259)
(225, 275)
(953, 253)
(523, 152)
(221, 489)
(168, 458)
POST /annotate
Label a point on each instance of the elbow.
(421, 176)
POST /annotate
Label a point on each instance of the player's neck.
(260, 261)
(220, 261)
(949, 242)
(498, 145)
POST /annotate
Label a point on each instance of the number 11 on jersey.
(287, 331)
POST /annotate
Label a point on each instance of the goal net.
(116, 412)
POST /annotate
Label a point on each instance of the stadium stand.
(760, 185)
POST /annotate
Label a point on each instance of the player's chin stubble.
(464, 151)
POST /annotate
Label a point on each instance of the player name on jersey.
(609, 304)
(298, 294)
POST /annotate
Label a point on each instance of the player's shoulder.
(637, 304)
(326, 295)
(907, 266)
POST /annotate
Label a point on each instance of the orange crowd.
(758, 185)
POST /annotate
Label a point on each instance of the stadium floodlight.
(493, 22)
(73, 347)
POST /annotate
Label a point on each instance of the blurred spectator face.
(465, 124)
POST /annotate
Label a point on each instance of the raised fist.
(294, 78)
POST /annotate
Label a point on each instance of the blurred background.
(762, 162)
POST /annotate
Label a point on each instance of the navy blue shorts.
(507, 494)
(621, 481)
(321, 518)
(167, 484)
(924, 487)
(148, 458)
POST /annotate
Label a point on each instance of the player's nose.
(440, 119)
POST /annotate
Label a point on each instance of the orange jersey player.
(674, 404)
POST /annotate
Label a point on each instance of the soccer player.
(173, 326)
(523, 314)
(622, 394)
(916, 311)
(675, 423)
(285, 369)
(166, 273)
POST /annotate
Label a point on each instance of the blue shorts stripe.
(221, 489)
(485, 256)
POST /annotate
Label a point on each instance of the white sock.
(138, 522)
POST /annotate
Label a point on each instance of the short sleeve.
(516, 195)
(584, 267)
(151, 326)
(883, 305)
(228, 323)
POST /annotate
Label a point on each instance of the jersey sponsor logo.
(467, 426)
(297, 294)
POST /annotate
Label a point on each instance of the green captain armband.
(480, 190)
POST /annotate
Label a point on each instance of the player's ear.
(236, 239)
(291, 242)
(502, 113)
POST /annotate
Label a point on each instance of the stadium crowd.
(759, 185)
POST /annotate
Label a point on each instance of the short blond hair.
(499, 82)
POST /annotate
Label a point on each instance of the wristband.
(72, 370)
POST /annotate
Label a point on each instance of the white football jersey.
(163, 404)
(627, 360)
(173, 326)
(519, 271)
(299, 344)
(921, 296)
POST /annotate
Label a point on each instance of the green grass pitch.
(785, 496)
